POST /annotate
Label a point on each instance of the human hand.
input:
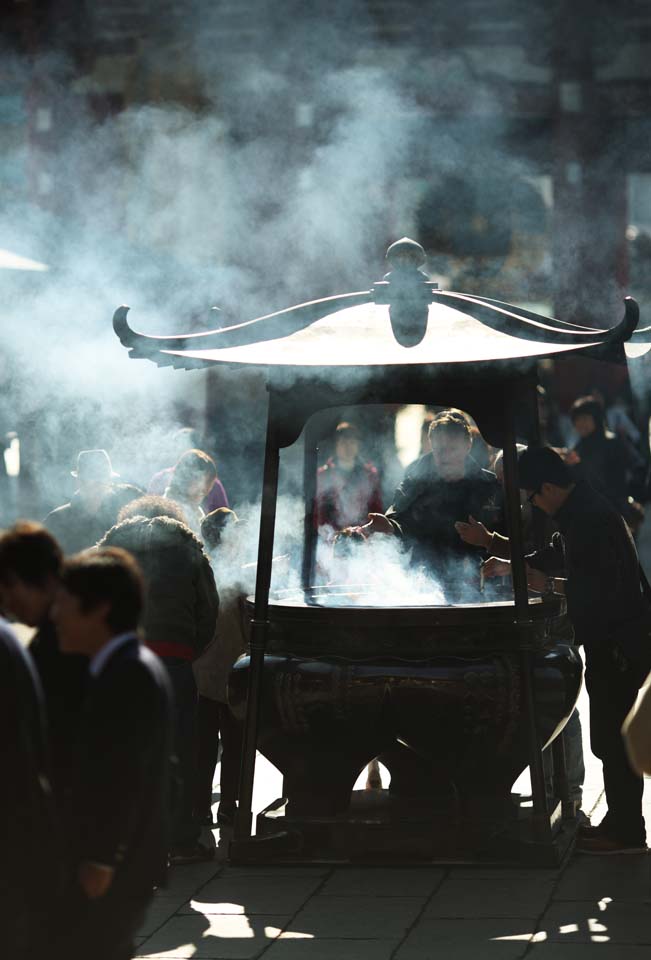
(378, 523)
(494, 567)
(474, 533)
(94, 878)
(571, 458)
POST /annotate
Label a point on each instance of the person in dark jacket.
(600, 457)
(32, 853)
(94, 508)
(611, 617)
(30, 566)
(439, 489)
(119, 807)
(181, 607)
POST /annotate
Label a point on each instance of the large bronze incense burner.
(455, 700)
(436, 693)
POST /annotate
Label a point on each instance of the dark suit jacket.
(30, 840)
(120, 802)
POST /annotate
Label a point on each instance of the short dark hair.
(453, 420)
(107, 574)
(151, 506)
(214, 524)
(29, 552)
(538, 465)
(192, 465)
(589, 406)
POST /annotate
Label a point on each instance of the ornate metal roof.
(402, 321)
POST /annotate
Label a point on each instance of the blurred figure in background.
(30, 570)
(600, 457)
(179, 617)
(184, 439)
(192, 478)
(221, 531)
(119, 809)
(94, 508)
(347, 488)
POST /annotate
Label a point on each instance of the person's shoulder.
(328, 467)
(370, 469)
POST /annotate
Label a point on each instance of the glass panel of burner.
(411, 554)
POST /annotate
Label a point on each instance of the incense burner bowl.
(436, 693)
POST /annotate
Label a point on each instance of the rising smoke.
(303, 154)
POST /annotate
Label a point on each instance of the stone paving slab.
(593, 878)
(585, 951)
(477, 897)
(213, 938)
(365, 918)
(597, 922)
(282, 895)
(383, 882)
(284, 949)
(437, 939)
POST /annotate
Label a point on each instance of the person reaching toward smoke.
(94, 508)
(347, 488)
(440, 487)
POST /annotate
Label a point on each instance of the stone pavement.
(593, 906)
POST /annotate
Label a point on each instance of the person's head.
(94, 475)
(346, 444)
(588, 416)
(30, 566)
(100, 597)
(215, 523)
(451, 438)
(545, 478)
(194, 475)
(151, 506)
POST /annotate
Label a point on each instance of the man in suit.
(118, 816)
(32, 866)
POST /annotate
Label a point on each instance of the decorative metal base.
(378, 829)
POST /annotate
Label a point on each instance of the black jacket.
(63, 679)
(120, 804)
(30, 839)
(605, 599)
(605, 462)
(76, 528)
(425, 509)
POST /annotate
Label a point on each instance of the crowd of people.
(115, 712)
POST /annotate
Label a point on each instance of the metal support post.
(259, 628)
(310, 455)
(520, 590)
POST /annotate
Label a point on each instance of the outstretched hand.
(474, 533)
(377, 523)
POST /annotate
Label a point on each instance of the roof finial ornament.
(407, 290)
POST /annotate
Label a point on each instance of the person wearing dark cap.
(119, 808)
(607, 603)
(94, 508)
